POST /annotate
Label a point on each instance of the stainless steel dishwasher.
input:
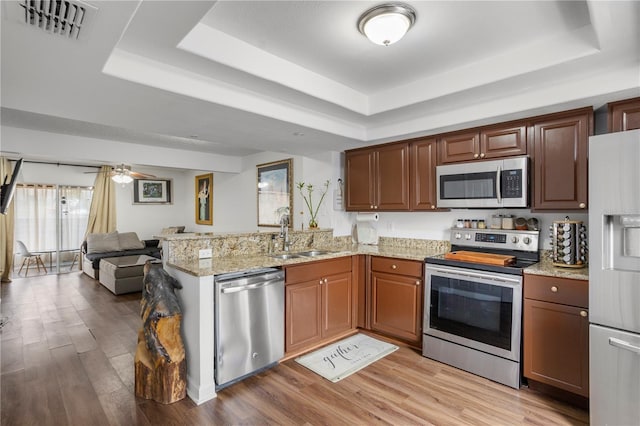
(249, 323)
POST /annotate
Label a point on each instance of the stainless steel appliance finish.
(484, 184)
(614, 278)
(473, 321)
(473, 311)
(249, 323)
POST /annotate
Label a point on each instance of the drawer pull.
(583, 314)
(394, 267)
(554, 289)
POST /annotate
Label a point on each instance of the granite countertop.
(546, 267)
(221, 265)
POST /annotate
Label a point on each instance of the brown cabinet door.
(303, 310)
(503, 141)
(422, 172)
(624, 115)
(337, 304)
(556, 345)
(360, 180)
(392, 177)
(560, 162)
(396, 307)
(459, 147)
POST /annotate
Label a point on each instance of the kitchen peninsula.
(237, 252)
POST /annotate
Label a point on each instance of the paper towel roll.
(367, 217)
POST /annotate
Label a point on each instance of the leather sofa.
(114, 244)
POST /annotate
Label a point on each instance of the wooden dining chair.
(29, 258)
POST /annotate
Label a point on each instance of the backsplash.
(184, 248)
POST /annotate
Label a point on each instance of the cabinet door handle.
(433, 207)
(394, 267)
(326, 280)
(418, 282)
(482, 155)
(475, 155)
(371, 207)
(554, 289)
(583, 314)
(320, 281)
(582, 205)
(624, 345)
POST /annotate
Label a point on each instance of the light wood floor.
(67, 358)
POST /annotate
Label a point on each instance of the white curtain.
(74, 215)
(35, 222)
(36, 216)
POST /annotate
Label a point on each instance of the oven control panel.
(503, 239)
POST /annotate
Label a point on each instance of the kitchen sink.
(311, 253)
(285, 256)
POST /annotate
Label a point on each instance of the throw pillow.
(103, 243)
(130, 241)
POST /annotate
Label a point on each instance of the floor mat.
(340, 359)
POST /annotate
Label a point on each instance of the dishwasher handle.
(235, 289)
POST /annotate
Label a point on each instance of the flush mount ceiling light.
(386, 23)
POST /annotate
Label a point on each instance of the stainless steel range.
(473, 302)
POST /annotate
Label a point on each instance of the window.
(52, 219)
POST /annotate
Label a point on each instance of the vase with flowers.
(308, 200)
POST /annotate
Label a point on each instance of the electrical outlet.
(205, 253)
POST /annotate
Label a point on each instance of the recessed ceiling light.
(194, 136)
(387, 23)
(298, 134)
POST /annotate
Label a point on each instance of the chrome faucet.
(284, 231)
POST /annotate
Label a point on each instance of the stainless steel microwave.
(484, 184)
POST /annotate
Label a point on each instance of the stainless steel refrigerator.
(614, 278)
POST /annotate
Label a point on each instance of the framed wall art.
(204, 199)
(275, 195)
(152, 191)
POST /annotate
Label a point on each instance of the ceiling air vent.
(63, 17)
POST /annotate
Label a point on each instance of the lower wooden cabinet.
(318, 302)
(396, 298)
(556, 332)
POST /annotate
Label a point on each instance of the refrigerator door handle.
(624, 345)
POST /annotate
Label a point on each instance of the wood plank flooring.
(67, 359)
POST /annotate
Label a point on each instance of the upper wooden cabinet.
(624, 115)
(458, 147)
(422, 172)
(378, 178)
(504, 140)
(560, 150)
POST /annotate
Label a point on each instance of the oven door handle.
(499, 184)
(473, 275)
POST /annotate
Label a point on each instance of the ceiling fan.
(123, 174)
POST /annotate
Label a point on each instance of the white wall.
(146, 220)
(436, 225)
(234, 195)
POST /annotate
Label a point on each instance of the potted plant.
(308, 200)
